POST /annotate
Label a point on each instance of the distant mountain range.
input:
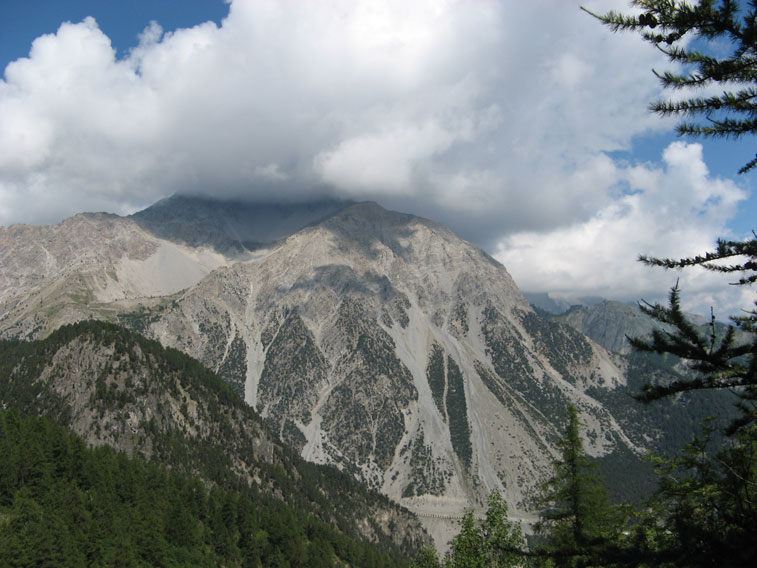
(609, 323)
(372, 340)
(546, 303)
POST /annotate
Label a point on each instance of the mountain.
(546, 303)
(611, 323)
(230, 227)
(113, 387)
(55, 274)
(375, 341)
(385, 344)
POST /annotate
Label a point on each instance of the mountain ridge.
(375, 341)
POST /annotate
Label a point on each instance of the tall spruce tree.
(577, 519)
(503, 538)
(670, 25)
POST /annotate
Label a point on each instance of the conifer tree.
(427, 558)
(704, 513)
(467, 548)
(496, 542)
(503, 539)
(670, 25)
(578, 520)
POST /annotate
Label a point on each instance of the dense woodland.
(64, 504)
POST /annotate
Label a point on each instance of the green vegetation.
(577, 520)
(664, 427)
(215, 331)
(368, 370)
(495, 542)
(564, 347)
(143, 317)
(436, 378)
(62, 504)
(230, 449)
(293, 372)
(722, 59)
(702, 514)
(504, 344)
(667, 424)
(448, 391)
(457, 410)
(234, 366)
(458, 321)
(426, 476)
(501, 390)
(628, 477)
(399, 306)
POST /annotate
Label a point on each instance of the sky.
(521, 125)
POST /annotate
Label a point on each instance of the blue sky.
(24, 20)
(537, 146)
(724, 158)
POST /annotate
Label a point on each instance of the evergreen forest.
(65, 504)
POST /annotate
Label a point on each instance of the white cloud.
(496, 118)
(381, 163)
(378, 99)
(674, 211)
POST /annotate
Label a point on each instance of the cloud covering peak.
(496, 118)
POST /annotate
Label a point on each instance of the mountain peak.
(371, 212)
(198, 221)
(376, 341)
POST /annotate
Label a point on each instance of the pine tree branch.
(664, 24)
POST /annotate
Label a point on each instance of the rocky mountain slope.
(383, 343)
(372, 340)
(54, 274)
(609, 323)
(113, 387)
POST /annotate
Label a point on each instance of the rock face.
(373, 340)
(55, 274)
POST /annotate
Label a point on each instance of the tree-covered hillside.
(64, 504)
(114, 387)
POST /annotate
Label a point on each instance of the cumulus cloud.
(435, 106)
(668, 211)
(497, 118)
